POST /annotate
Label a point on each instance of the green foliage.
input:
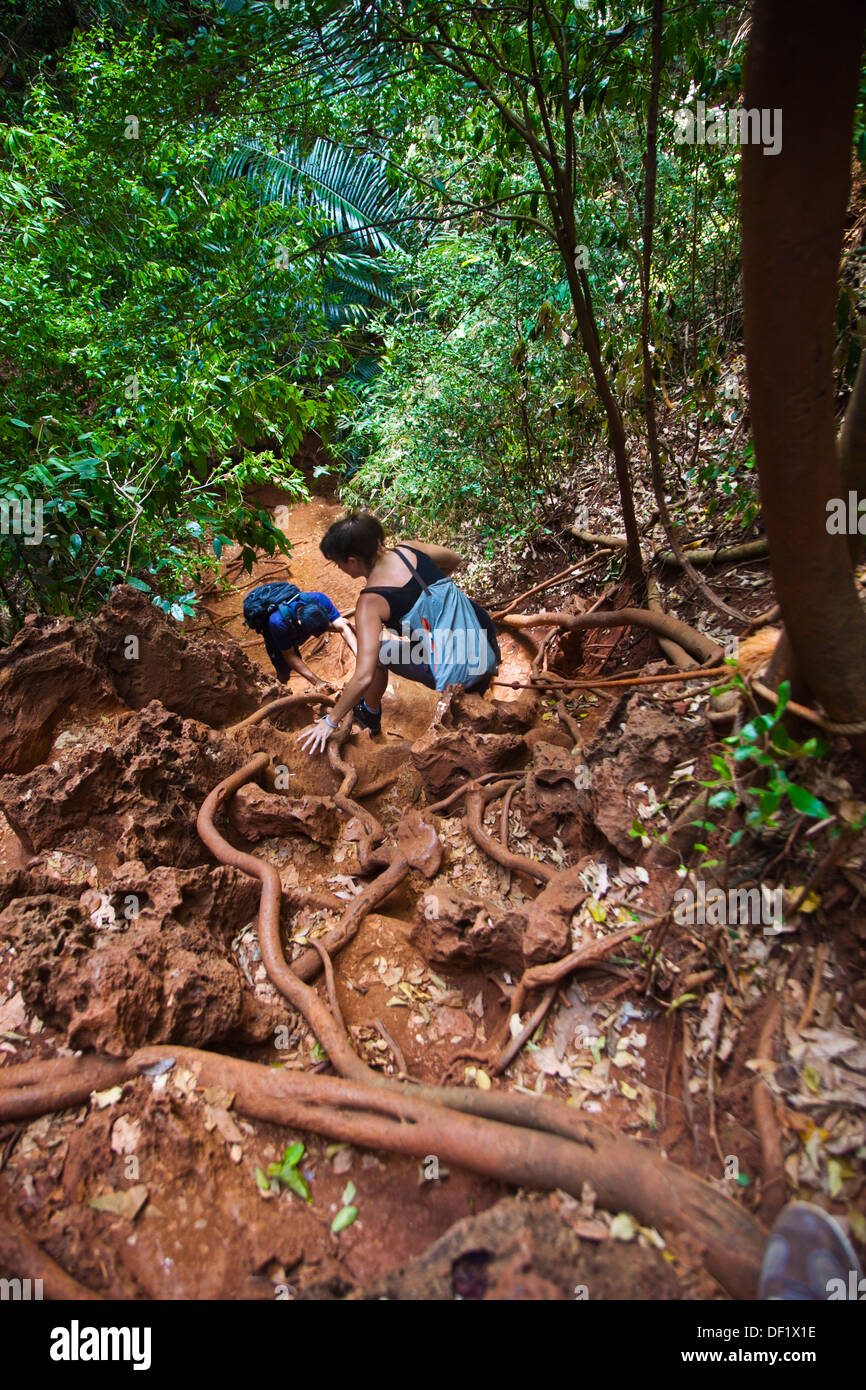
(465, 448)
(356, 210)
(466, 421)
(154, 361)
(325, 224)
(287, 1173)
(753, 774)
(347, 1213)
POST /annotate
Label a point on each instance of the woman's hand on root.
(315, 736)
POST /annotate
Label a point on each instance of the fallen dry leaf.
(13, 1014)
(221, 1120)
(126, 1204)
(106, 1098)
(125, 1135)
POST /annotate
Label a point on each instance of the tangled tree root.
(703, 648)
(418, 1119)
(521, 1140)
(307, 697)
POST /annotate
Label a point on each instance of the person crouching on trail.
(287, 618)
(446, 639)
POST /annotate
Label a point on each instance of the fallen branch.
(810, 715)
(590, 683)
(571, 573)
(809, 1007)
(513, 1048)
(394, 1046)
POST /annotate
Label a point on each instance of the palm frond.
(354, 193)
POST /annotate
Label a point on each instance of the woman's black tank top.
(401, 598)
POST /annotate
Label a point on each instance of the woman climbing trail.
(446, 638)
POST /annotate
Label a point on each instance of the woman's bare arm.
(368, 624)
(447, 560)
(341, 625)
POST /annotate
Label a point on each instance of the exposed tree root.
(773, 1189)
(307, 697)
(607, 542)
(29, 1089)
(22, 1258)
(720, 555)
(540, 976)
(692, 641)
(378, 786)
(625, 1175)
(522, 1140)
(531, 868)
(305, 999)
(672, 650)
(701, 555)
(438, 807)
(307, 966)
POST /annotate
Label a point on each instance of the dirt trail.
(151, 1190)
(407, 707)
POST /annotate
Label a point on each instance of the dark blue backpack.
(264, 600)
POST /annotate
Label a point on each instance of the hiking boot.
(808, 1257)
(367, 719)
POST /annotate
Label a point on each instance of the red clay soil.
(119, 929)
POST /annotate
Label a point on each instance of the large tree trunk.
(805, 61)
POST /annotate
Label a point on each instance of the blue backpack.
(446, 634)
(264, 600)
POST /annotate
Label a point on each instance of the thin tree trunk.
(615, 427)
(649, 397)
